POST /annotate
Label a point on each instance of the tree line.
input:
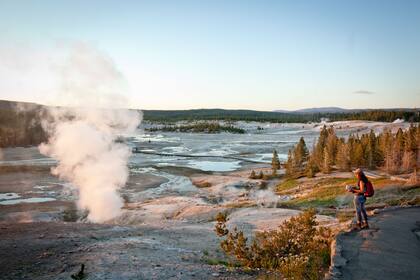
(171, 116)
(395, 153)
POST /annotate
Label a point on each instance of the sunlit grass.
(323, 193)
(396, 195)
(286, 185)
(330, 192)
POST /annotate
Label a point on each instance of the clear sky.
(263, 55)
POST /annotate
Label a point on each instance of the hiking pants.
(359, 204)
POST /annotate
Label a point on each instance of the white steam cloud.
(83, 137)
(266, 198)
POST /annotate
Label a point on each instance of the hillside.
(20, 122)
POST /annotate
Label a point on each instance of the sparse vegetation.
(70, 215)
(220, 228)
(344, 216)
(241, 204)
(286, 185)
(299, 248)
(215, 261)
(394, 195)
(330, 192)
(200, 127)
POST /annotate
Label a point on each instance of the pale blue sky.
(262, 55)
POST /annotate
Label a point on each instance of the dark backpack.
(369, 190)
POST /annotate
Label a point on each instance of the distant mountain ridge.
(9, 104)
(316, 110)
(335, 110)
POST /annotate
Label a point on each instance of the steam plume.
(83, 139)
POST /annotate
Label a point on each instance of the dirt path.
(390, 249)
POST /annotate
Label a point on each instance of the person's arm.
(361, 188)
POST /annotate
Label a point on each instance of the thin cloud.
(363, 92)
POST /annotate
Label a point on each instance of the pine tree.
(350, 145)
(330, 150)
(389, 164)
(275, 162)
(397, 150)
(289, 165)
(414, 180)
(408, 161)
(409, 158)
(386, 142)
(319, 147)
(367, 159)
(399, 146)
(300, 154)
(343, 156)
(417, 147)
(358, 154)
(377, 157)
(311, 168)
(331, 145)
(326, 167)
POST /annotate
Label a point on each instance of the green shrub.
(299, 249)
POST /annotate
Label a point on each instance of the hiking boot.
(365, 226)
(357, 227)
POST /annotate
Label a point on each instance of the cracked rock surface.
(390, 249)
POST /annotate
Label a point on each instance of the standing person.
(360, 199)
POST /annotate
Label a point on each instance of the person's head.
(360, 174)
